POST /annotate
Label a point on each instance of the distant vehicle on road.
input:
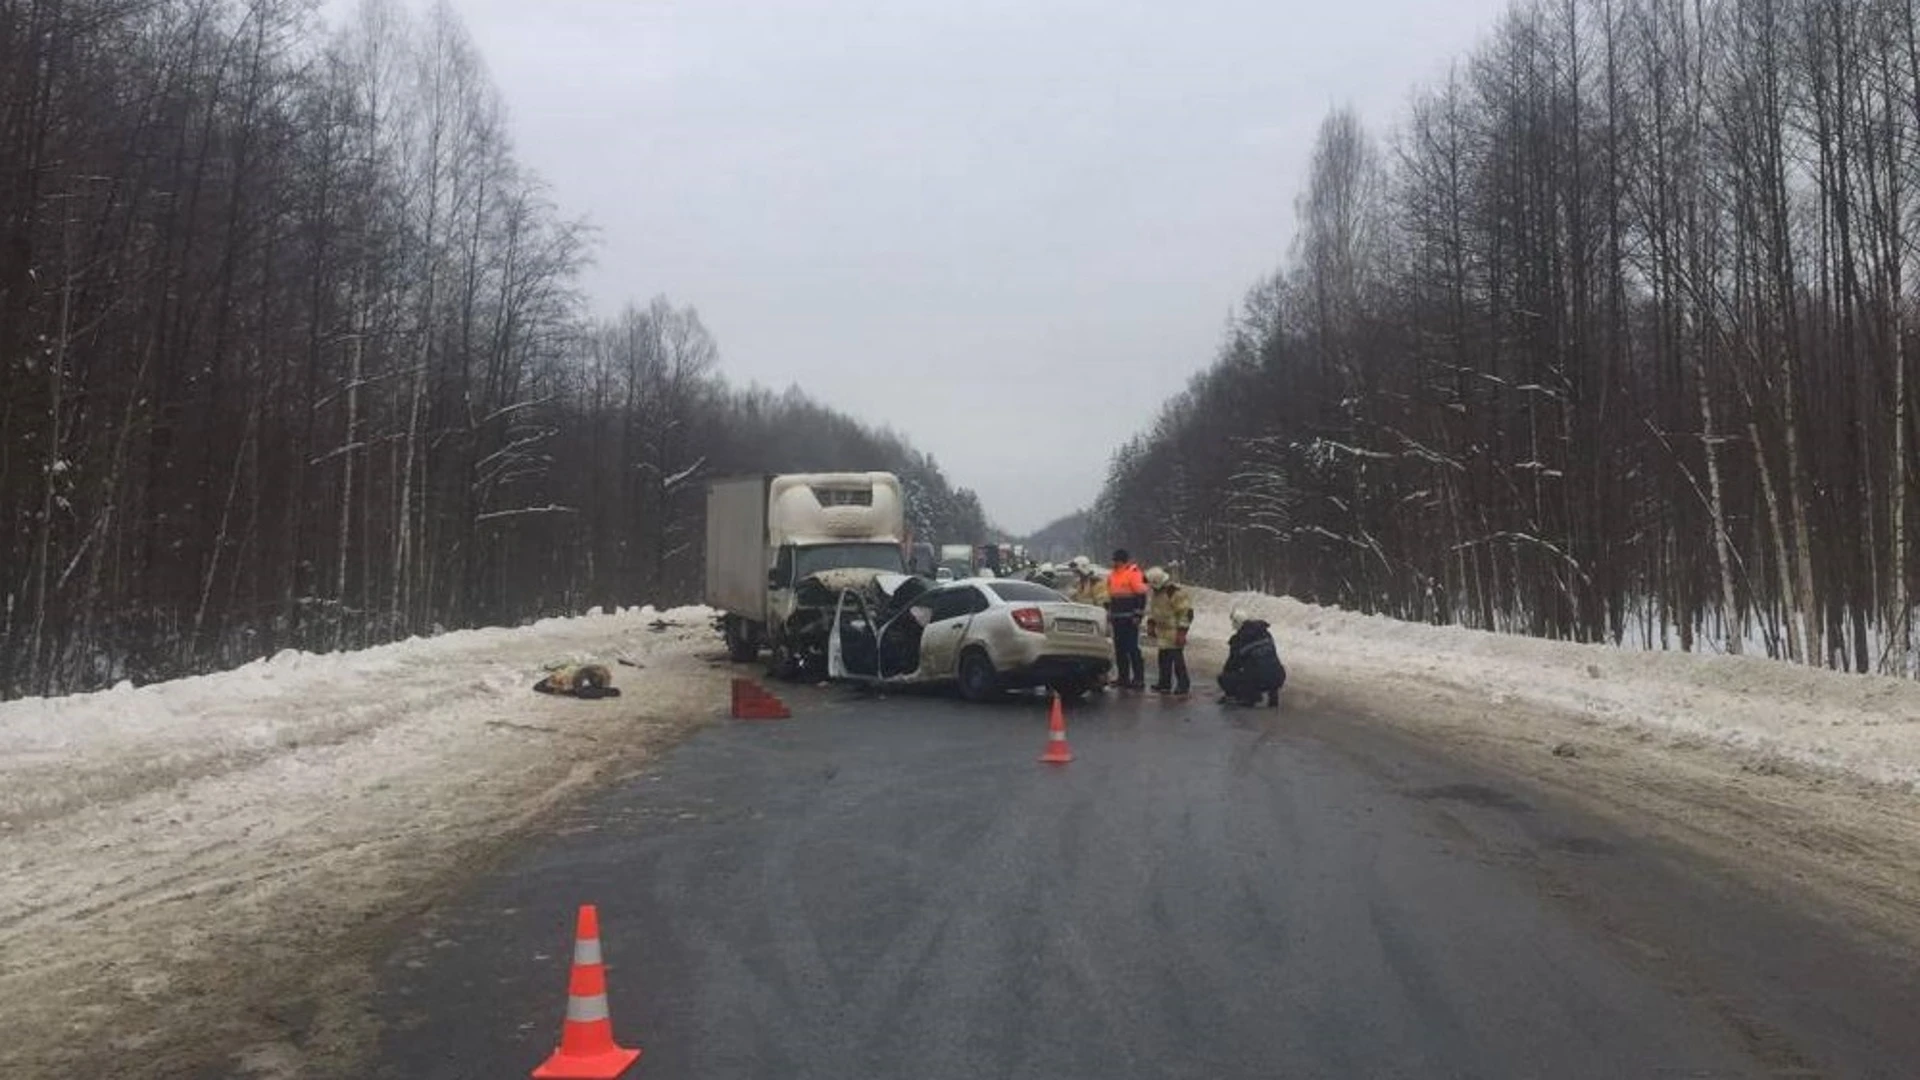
(986, 636)
(957, 560)
(987, 558)
(921, 559)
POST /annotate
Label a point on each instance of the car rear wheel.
(978, 680)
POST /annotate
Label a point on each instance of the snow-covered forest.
(291, 354)
(1605, 337)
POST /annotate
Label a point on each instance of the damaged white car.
(986, 636)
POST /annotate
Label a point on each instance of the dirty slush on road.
(202, 894)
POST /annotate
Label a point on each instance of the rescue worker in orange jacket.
(1126, 605)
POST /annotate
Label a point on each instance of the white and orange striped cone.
(587, 1050)
(1058, 752)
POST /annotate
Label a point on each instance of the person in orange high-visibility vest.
(1126, 605)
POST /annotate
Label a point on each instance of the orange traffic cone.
(587, 1050)
(1058, 752)
(771, 707)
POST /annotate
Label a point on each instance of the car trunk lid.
(1073, 624)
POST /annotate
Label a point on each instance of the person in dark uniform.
(1253, 669)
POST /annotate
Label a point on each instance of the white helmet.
(1237, 616)
(1157, 577)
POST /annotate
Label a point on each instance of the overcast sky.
(1009, 229)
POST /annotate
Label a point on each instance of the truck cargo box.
(737, 546)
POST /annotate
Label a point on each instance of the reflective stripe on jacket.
(1090, 591)
(1170, 614)
(1252, 650)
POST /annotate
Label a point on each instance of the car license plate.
(1075, 626)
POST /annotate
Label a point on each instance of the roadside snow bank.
(175, 859)
(1865, 726)
(62, 752)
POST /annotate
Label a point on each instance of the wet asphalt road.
(896, 889)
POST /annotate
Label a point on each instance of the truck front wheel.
(741, 647)
(784, 664)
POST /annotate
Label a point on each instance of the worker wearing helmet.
(1089, 585)
(1126, 604)
(1253, 667)
(1169, 618)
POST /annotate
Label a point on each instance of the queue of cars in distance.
(982, 635)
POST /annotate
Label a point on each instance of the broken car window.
(954, 603)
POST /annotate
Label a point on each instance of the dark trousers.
(1173, 670)
(1248, 688)
(1130, 668)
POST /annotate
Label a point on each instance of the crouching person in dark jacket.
(1253, 666)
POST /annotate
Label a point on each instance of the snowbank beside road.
(190, 860)
(60, 753)
(1766, 711)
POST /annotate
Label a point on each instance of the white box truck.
(780, 549)
(957, 560)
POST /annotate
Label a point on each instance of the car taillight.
(1030, 620)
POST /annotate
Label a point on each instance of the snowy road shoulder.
(1762, 712)
(190, 856)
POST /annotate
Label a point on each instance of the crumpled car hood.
(822, 590)
(856, 577)
(884, 591)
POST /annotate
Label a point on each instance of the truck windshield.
(812, 560)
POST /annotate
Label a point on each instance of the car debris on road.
(590, 681)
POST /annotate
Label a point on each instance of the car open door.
(852, 642)
(876, 635)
